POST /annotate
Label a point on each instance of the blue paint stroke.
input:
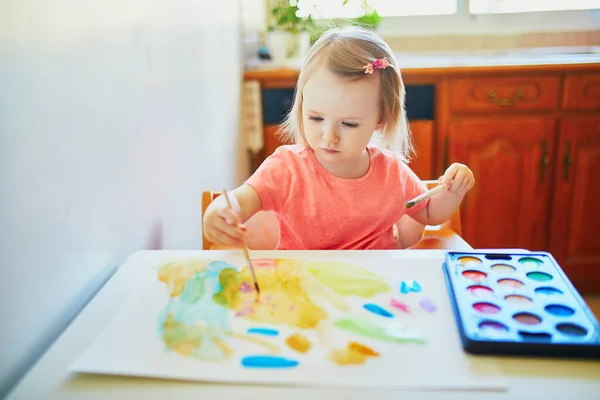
(264, 331)
(405, 289)
(268, 362)
(375, 309)
(416, 287)
(428, 305)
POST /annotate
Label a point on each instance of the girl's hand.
(223, 227)
(458, 179)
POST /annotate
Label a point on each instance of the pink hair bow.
(377, 64)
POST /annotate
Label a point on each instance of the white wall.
(114, 116)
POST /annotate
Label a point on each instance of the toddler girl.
(344, 181)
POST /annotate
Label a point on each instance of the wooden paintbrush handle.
(426, 195)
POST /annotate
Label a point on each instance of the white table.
(50, 378)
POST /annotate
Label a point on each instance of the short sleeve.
(413, 186)
(272, 180)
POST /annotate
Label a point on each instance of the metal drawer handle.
(567, 162)
(511, 101)
(544, 161)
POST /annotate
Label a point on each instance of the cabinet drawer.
(492, 94)
(582, 91)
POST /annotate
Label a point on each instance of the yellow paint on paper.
(348, 279)
(298, 343)
(354, 353)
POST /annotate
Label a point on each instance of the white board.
(173, 328)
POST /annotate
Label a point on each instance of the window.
(517, 6)
(332, 9)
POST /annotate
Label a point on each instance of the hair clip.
(377, 64)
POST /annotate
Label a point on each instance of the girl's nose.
(330, 135)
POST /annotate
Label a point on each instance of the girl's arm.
(245, 202)
(224, 226)
(458, 180)
(408, 232)
(439, 209)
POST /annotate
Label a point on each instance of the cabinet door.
(575, 241)
(272, 141)
(508, 207)
(422, 162)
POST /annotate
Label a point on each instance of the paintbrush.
(245, 248)
(424, 196)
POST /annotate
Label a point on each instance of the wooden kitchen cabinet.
(575, 223)
(503, 128)
(509, 157)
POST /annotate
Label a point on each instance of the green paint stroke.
(390, 332)
(229, 295)
(347, 279)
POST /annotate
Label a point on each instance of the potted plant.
(288, 35)
(370, 17)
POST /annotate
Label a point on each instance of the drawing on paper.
(321, 302)
(351, 321)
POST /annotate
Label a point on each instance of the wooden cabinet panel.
(582, 91)
(575, 227)
(500, 93)
(508, 207)
(272, 141)
(422, 162)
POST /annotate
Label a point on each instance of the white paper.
(132, 343)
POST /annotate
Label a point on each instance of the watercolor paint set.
(518, 304)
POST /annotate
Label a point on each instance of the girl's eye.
(350, 124)
(315, 118)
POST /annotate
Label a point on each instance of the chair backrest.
(208, 196)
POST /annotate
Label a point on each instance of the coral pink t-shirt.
(318, 211)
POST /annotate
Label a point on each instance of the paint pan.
(503, 269)
(469, 261)
(474, 275)
(481, 291)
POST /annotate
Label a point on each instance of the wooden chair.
(446, 235)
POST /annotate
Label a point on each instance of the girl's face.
(339, 116)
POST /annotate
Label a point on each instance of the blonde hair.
(345, 51)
